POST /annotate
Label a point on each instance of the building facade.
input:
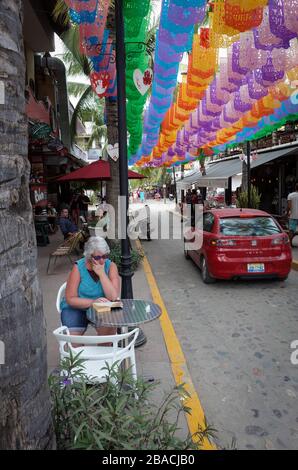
(50, 150)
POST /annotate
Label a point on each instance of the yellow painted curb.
(196, 418)
(295, 265)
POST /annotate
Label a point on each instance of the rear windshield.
(249, 227)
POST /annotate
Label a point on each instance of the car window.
(208, 221)
(252, 226)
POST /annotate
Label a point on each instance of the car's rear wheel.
(207, 279)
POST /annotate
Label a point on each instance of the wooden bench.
(66, 248)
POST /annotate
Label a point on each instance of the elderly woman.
(93, 278)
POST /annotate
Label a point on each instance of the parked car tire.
(207, 279)
(282, 279)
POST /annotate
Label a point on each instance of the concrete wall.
(38, 33)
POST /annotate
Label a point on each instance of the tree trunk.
(25, 413)
(113, 186)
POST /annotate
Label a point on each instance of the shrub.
(255, 199)
(117, 414)
(115, 255)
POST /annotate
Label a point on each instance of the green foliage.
(255, 196)
(61, 13)
(75, 60)
(93, 198)
(155, 177)
(115, 256)
(118, 414)
(89, 106)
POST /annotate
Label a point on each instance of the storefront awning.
(218, 173)
(99, 170)
(187, 181)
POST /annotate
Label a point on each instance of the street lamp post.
(125, 271)
(175, 186)
(182, 193)
(248, 174)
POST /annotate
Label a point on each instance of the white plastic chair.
(97, 357)
(60, 296)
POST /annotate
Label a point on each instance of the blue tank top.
(88, 287)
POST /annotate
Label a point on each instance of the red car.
(239, 243)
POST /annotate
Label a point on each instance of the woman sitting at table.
(93, 278)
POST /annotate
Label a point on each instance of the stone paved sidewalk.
(152, 358)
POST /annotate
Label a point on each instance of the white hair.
(96, 244)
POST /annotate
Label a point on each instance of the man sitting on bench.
(66, 225)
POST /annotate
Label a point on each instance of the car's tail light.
(284, 240)
(223, 242)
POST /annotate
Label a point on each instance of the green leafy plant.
(255, 199)
(115, 256)
(117, 414)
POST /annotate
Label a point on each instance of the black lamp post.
(125, 271)
(175, 185)
(248, 174)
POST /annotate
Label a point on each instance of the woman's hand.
(101, 299)
(97, 267)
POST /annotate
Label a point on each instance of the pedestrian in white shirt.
(293, 212)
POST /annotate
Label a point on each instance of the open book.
(104, 307)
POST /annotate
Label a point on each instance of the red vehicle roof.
(237, 212)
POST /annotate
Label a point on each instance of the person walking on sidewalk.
(148, 222)
(83, 204)
(293, 213)
(74, 208)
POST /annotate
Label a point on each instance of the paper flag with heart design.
(142, 80)
(100, 82)
(113, 151)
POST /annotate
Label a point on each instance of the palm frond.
(61, 12)
(97, 134)
(94, 107)
(71, 39)
(77, 111)
(151, 39)
(151, 35)
(73, 67)
(76, 89)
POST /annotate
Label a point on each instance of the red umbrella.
(133, 175)
(99, 170)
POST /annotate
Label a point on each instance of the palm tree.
(25, 412)
(89, 108)
(79, 63)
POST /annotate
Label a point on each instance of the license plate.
(256, 268)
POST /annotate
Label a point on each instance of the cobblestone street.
(236, 337)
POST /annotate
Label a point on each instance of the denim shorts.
(293, 223)
(75, 319)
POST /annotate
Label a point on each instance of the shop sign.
(39, 195)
